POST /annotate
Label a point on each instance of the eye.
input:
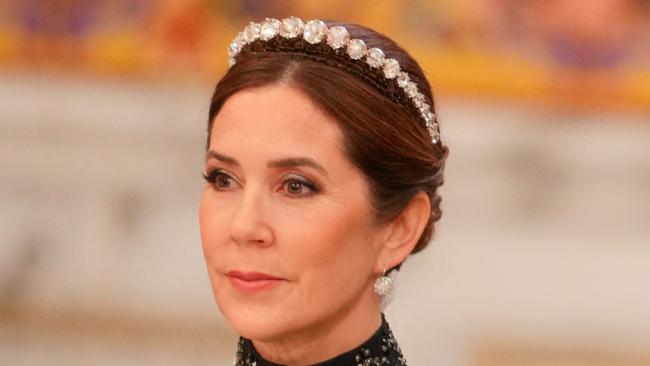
(219, 179)
(298, 187)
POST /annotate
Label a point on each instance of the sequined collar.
(380, 349)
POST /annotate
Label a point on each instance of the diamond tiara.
(338, 39)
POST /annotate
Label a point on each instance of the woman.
(322, 167)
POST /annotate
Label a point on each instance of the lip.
(252, 276)
(252, 281)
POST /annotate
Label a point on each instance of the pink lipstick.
(252, 281)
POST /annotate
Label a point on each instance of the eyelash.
(212, 176)
(313, 189)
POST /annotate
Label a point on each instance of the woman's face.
(284, 201)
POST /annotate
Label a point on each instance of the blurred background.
(542, 256)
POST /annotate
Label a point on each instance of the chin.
(257, 320)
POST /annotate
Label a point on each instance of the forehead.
(274, 119)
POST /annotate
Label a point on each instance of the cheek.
(205, 217)
(331, 253)
(211, 225)
(212, 228)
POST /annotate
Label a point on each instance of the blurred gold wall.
(591, 53)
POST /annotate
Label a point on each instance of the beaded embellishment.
(380, 350)
(337, 38)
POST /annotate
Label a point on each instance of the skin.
(307, 221)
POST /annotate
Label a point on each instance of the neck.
(340, 332)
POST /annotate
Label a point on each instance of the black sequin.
(381, 349)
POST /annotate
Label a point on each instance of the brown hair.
(383, 134)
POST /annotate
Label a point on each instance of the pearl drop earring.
(383, 284)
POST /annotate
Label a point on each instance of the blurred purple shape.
(581, 55)
(42, 17)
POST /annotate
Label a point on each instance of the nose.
(249, 223)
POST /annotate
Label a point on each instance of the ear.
(403, 233)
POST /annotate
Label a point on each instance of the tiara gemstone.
(236, 45)
(252, 32)
(356, 49)
(411, 89)
(434, 132)
(314, 32)
(391, 68)
(375, 57)
(269, 29)
(291, 27)
(337, 37)
(418, 99)
(402, 79)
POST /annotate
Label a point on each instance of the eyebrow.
(279, 163)
(221, 157)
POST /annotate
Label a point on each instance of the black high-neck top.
(381, 349)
